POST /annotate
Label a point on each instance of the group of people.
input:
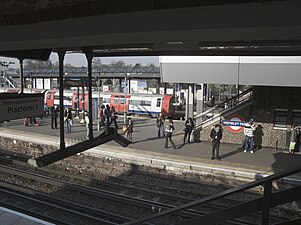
(107, 115)
(166, 131)
(216, 135)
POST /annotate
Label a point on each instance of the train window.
(121, 99)
(146, 103)
(280, 119)
(116, 98)
(158, 102)
(135, 102)
(106, 100)
(297, 118)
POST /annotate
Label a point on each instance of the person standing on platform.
(160, 125)
(168, 134)
(249, 129)
(294, 139)
(87, 121)
(113, 117)
(101, 116)
(216, 135)
(107, 113)
(54, 115)
(68, 117)
(129, 130)
(189, 125)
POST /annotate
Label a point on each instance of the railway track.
(134, 195)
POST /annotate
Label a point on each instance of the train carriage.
(140, 104)
(147, 105)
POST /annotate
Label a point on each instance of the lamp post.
(98, 103)
(125, 92)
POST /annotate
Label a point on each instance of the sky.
(78, 59)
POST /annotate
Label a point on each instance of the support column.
(129, 86)
(83, 103)
(61, 54)
(189, 102)
(21, 75)
(89, 56)
(77, 104)
(158, 87)
(266, 204)
(200, 99)
(165, 88)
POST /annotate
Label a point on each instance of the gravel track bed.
(113, 173)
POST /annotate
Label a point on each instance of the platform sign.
(235, 123)
(17, 106)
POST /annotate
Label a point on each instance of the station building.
(273, 102)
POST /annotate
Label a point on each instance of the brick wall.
(266, 100)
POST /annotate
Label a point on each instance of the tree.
(97, 62)
(37, 64)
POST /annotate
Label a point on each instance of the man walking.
(249, 129)
(216, 135)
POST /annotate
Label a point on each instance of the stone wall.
(266, 100)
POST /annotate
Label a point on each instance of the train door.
(50, 98)
(167, 106)
(115, 101)
(118, 101)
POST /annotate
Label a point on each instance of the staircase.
(228, 107)
(7, 81)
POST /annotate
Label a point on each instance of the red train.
(142, 104)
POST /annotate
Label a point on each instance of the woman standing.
(129, 130)
(168, 134)
(113, 117)
(189, 125)
(69, 120)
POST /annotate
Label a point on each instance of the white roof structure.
(242, 70)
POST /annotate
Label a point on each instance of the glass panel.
(122, 100)
(158, 102)
(297, 118)
(280, 118)
(116, 98)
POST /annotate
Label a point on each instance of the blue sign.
(233, 123)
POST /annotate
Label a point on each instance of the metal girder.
(108, 135)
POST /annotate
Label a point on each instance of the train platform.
(147, 149)
(10, 217)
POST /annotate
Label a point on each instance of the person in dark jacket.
(216, 135)
(68, 119)
(160, 125)
(189, 125)
(54, 116)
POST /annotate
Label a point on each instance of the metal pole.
(266, 203)
(83, 103)
(98, 104)
(61, 54)
(125, 92)
(21, 75)
(77, 105)
(89, 56)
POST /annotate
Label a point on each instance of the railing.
(216, 111)
(263, 204)
(11, 83)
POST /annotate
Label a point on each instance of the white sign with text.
(15, 108)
